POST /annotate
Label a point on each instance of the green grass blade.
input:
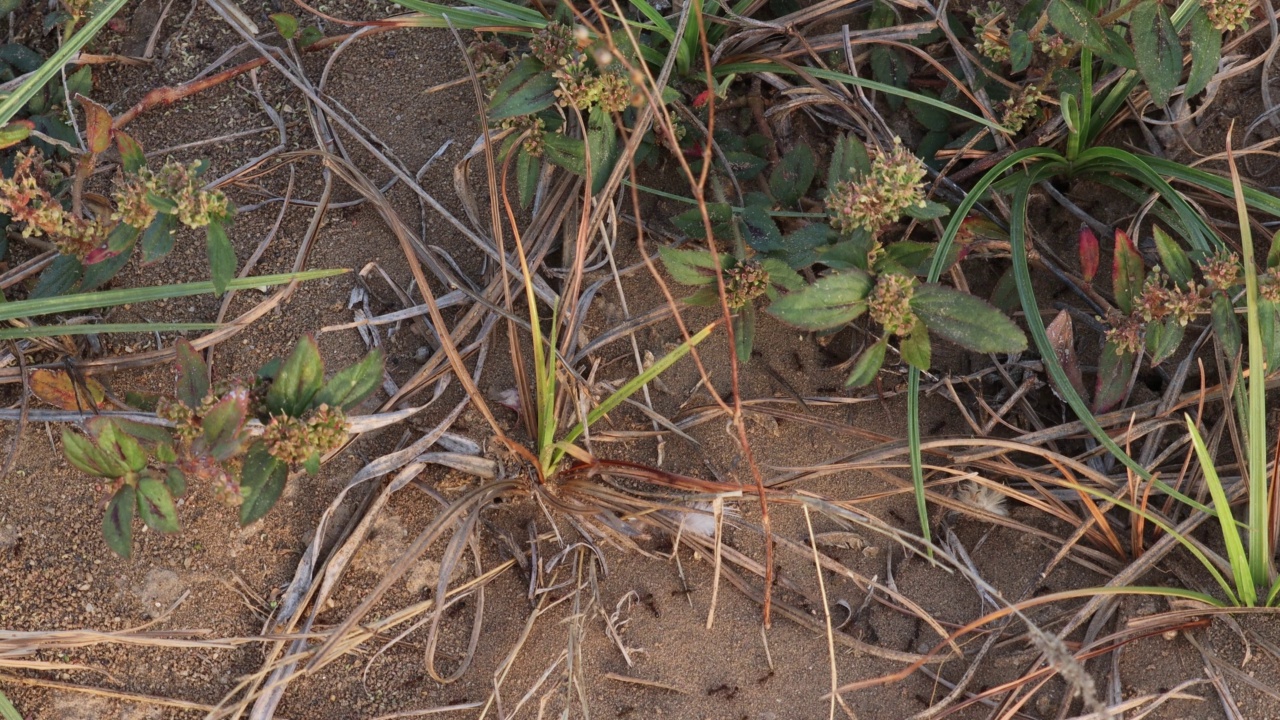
(7, 710)
(1256, 420)
(663, 28)
(1240, 562)
(631, 387)
(499, 13)
(104, 328)
(18, 99)
(824, 74)
(108, 298)
(1256, 199)
(935, 271)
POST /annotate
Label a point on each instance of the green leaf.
(781, 275)
(117, 524)
(155, 505)
(309, 36)
(527, 169)
(1127, 273)
(760, 231)
(354, 383)
(300, 378)
(1206, 51)
(193, 374)
(61, 275)
(222, 257)
(223, 422)
(800, 247)
(527, 89)
(929, 211)
(261, 483)
(689, 222)
(1020, 50)
(131, 155)
(744, 165)
(916, 348)
(849, 159)
(157, 239)
(162, 203)
(692, 267)
(930, 116)
(312, 464)
(286, 24)
(1237, 558)
(1273, 254)
(1078, 25)
(1172, 257)
(1269, 327)
(1225, 326)
(791, 179)
(175, 481)
(1163, 339)
(79, 82)
(1156, 49)
(830, 302)
(1115, 368)
(868, 365)
(966, 320)
(13, 133)
(744, 332)
(602, 142)
(889, 66)
(7, 710)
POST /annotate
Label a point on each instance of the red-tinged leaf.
(120, 446)
(223, 422)
(155, 505)
(193, 374)
(286, 24)
(1115, 369)
(1089, 254)
(90, 458)
(702, 98)
(117, 524)
(300, 378)
(14, 133)
(131, 155)
(97, 125)
(1126, 273)
(58, 389)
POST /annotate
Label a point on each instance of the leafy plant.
(144, 467)
(864, 195)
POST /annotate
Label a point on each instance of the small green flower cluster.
(581, 86)
(1159, 300)
(293, 440)
(551, 44)
(492, 62)
(1020, 108)
(174, 183)
(1126, 332)
(25, 199)
(1222, 270)
(189, 422)
(986, 27)
(881, 196)
(890, 303)
(743, 283)
(1269, 285)
(1227, 15)
(535, 143)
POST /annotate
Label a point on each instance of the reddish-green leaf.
(223, 422)
(692, 267)
(57, 388)
(261, 483)
(298, 381)
(1126, 273)
(119, 445)
(155, 505)
(97, 125)
(89, 458)
(527, 89)
(14, 133)
(286, 24)
(1172, 257)
(1114, 371)
(353, 384)
(1090, 257)
(131, 155)
(117, 524)
(193, 374)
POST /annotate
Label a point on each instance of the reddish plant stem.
(170, 95)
